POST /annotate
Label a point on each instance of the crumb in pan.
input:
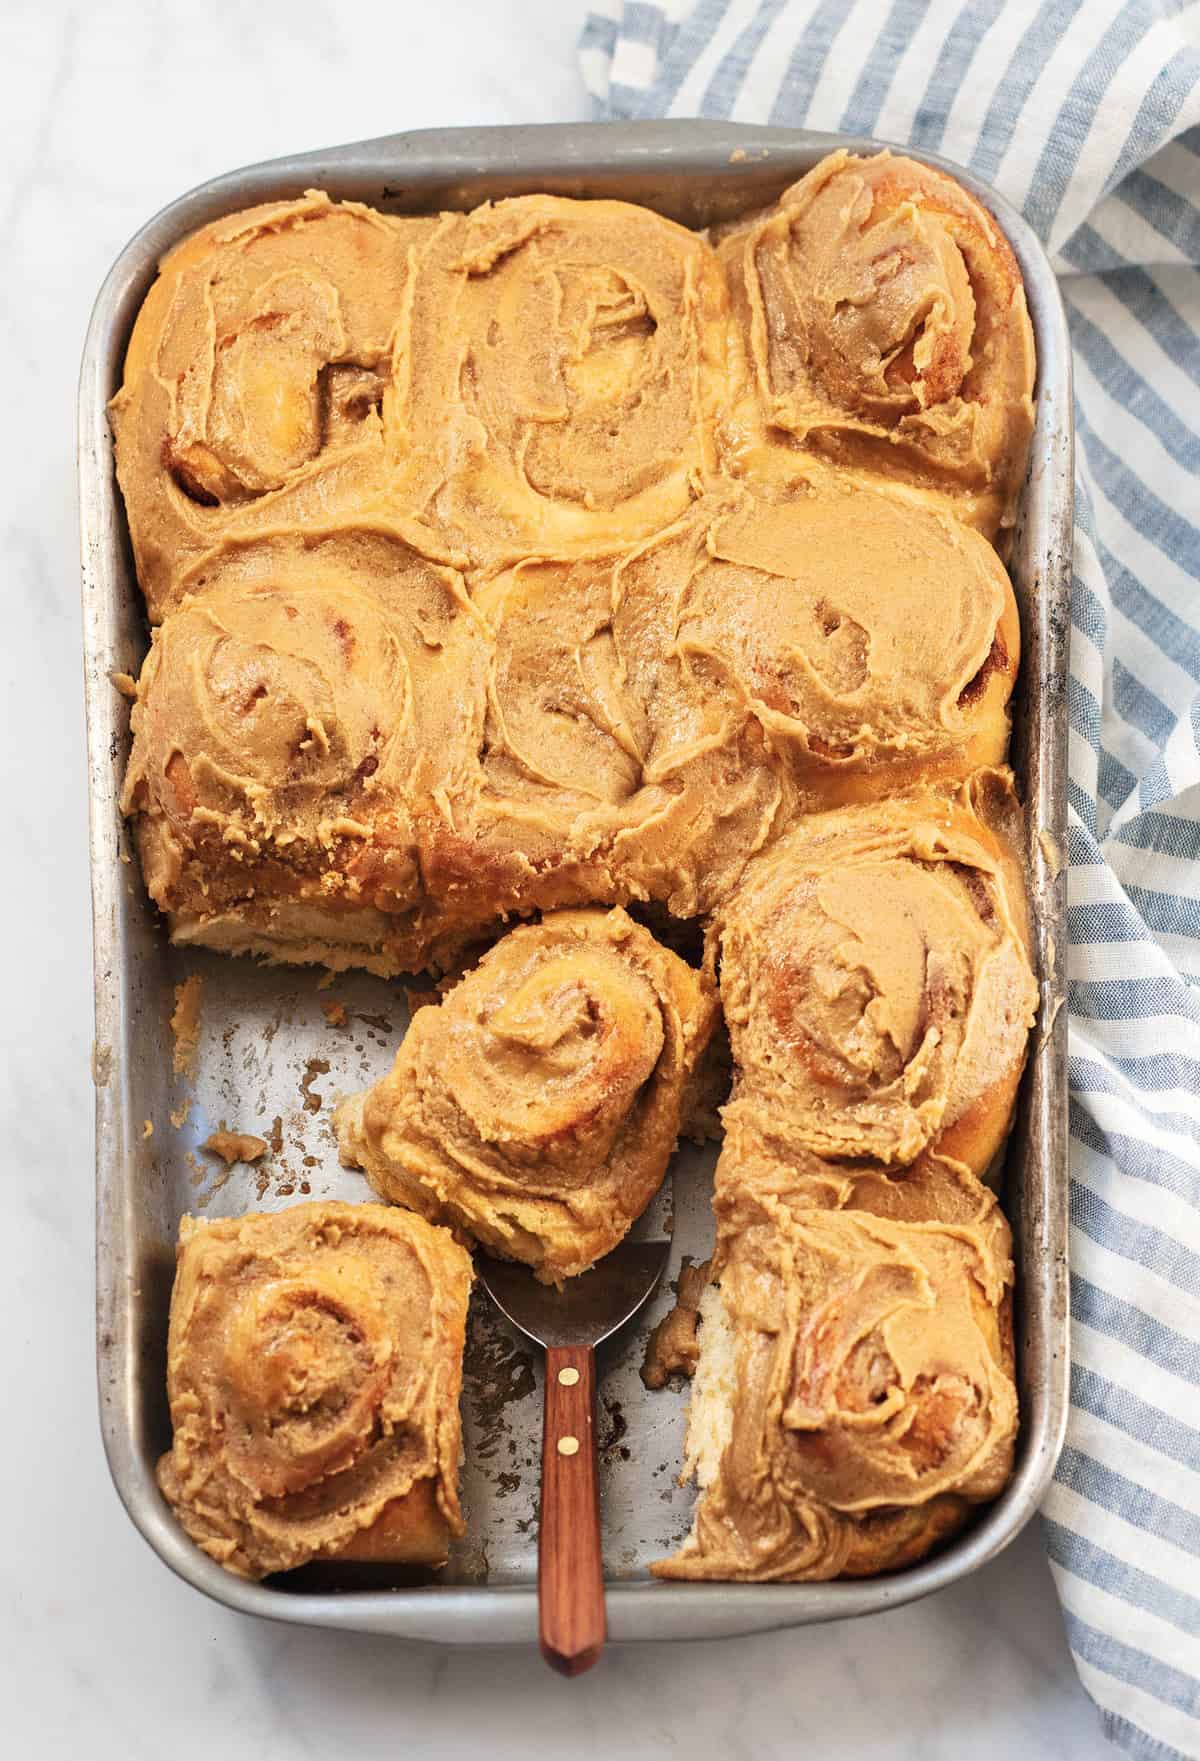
(185, 1024)
(234, 1146)
(673, 1347)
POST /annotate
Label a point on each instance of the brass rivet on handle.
(568, 1377)
(568, 1446)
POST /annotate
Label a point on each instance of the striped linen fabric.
(1086, 114)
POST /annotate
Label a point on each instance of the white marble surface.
(108, 110)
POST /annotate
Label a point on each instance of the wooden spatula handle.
(571, 1621)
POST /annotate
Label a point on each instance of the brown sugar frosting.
(876, 984)
(656, 717)
(864, 1399)
(255, 378)
(309, 708)
(557, 376)
(536, 1107)
(884, 325)
(570, 765)
(814, 619)
(314, 1368)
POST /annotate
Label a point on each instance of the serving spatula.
(569, 1324)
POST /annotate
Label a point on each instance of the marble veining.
(106, 112)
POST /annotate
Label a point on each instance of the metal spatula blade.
(569, 1324)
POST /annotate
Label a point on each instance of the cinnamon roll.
(574, 795)
(811, 620)
(302, 721)
(557, 376)
(536, 1107)
(883, 321)
(314, 1369)
(655, 717)
(875, 979)
(255, 377)
(854, 1396)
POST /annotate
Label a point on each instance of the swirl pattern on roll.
(302, 719)
(535, 1108)
(570, 778)
(255, 379)
(811, 619)
(884, 325)
(858, 1398)
(876, 983)
(655, 718)
(314, 1368)
(557, 376)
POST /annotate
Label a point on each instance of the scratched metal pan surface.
(271, 1062)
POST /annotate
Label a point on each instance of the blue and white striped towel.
(1086, 114)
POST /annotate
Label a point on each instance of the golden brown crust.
(314, 1368)
(884, 329)
(536, 1107)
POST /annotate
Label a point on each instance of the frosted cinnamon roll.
(574, 805)
(536, 1107)
(654, 717)
(854, 1396)
(314, 1363)
(557, 376)
(813, 619)
(301, 721)
(875, 978)
(884, 326)
(254, 379)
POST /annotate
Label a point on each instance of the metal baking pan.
(270, 1062)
